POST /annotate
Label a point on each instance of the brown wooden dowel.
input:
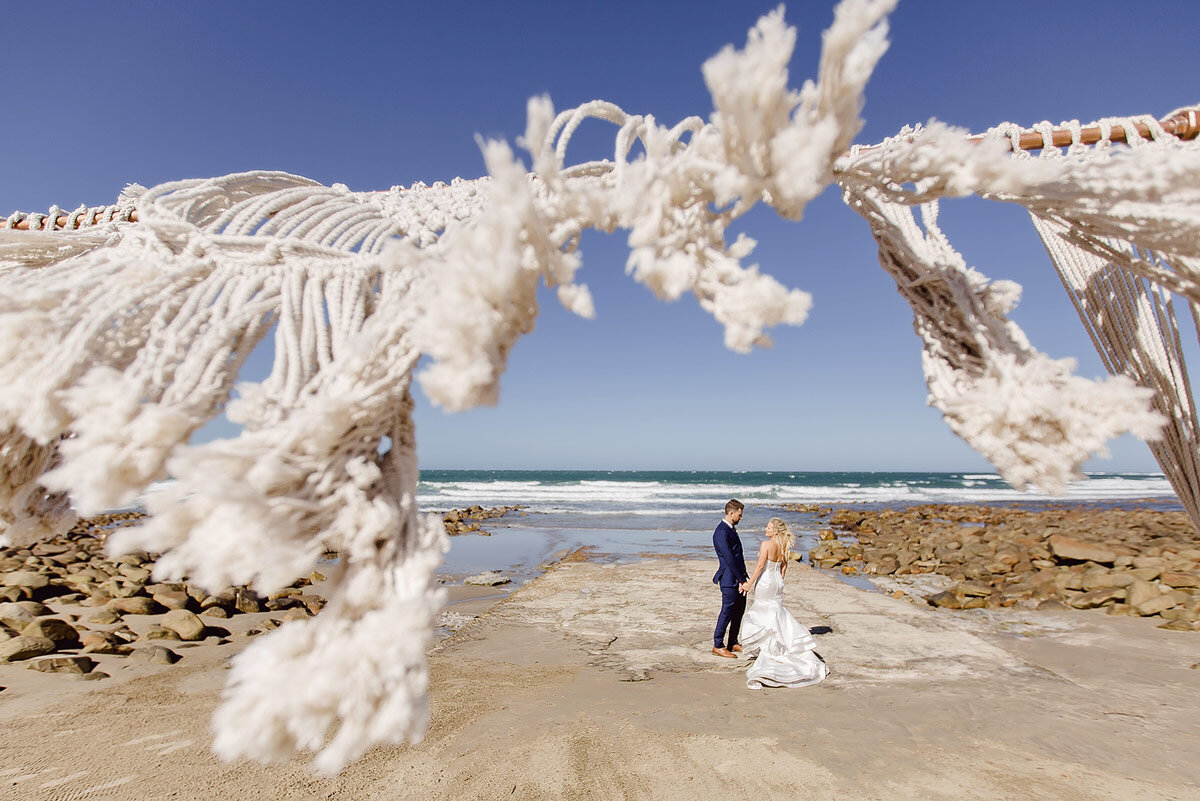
(1184, 125)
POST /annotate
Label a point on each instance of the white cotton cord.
(117, 342)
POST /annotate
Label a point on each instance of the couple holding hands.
(782, 649)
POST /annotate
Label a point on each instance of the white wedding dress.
(783, 648)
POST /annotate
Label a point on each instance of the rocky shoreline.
(466, 521)
(63, 602)
(1135, 562)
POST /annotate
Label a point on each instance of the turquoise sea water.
(631, 514)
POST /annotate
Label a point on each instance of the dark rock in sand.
(135, 605)
(159, 633)
(59, 632)
(184, 623)
(1078, 550)
(155, 655)
(1094, 598)
(63, 664)
(21, 647)
(104, 617)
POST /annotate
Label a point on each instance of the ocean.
(633, 514)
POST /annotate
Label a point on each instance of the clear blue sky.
(377, 94)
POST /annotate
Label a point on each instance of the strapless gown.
(781, 647)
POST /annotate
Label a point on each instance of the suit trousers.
(733, 606)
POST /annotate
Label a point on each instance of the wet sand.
(594, 681)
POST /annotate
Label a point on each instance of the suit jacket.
(732, 571)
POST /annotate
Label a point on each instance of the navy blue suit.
(730, 574)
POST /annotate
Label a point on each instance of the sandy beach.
(595, 681)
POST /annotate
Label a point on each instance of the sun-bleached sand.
(595, 681)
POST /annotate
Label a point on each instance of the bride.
(784, 648)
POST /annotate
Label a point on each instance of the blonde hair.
(783, 536)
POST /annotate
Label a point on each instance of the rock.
(1051, 605)
(282, 602)
(246, 603)
(885, 566)
(64, 664)
(1179, 580)
(159, 633)
(1142, 591)
(155, 655)
(1155, 605)
(98, 598)
(135, 605)
(28, 579)
(59, 632)
(945, 599)
(22, 647)
(1101, 578)
(1178, 625)
(104, 617)
(172, 599)
(184, 623)
(138, 575)
(1146, 573)
(216, 611)
(15, 616)
(1080, 551)
(315, 577)
(1094, 598)
(489, 579)
(299, 613)
(313, 603)
(95, 675)
(974, 588)
(102, 642)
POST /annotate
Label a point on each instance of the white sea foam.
(671, 497)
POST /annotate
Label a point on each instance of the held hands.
(744, 587)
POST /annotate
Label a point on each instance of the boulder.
(1180, 580)
(23, 647)
(1179, 625)
(155, 655)
(64, 664)
(135, 605)
(159, 633)
(1094, 598)
(172, 599)
(27, 579)
(945, 599)
(104, 617)
(246, 603)
(489, 579)
(138, 575)
(184, 623)
(974, 588)
(59, 632)
(102, 642)
(1155, 605)
(15, 616)
(1142, 591)
(1077, 550)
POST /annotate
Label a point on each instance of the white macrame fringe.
(117, 341)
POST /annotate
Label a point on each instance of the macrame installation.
(119, 340)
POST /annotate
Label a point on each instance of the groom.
(731, 577)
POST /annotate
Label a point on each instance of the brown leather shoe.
(737, 649)
(723, 652)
